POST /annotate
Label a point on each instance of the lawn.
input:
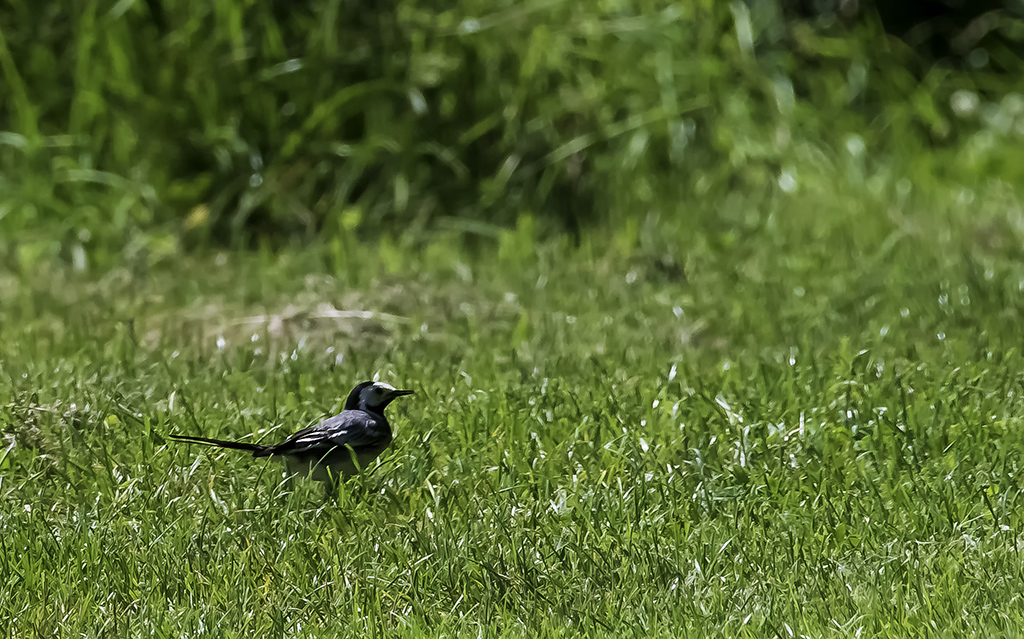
(712, 313)
(791, 414)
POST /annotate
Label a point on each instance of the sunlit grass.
(768, 382)
(809, 426)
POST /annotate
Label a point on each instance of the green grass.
(713, 318)
(135, 128)
(787, 416)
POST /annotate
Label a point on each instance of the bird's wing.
(351, 428)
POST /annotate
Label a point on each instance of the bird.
(337, 447)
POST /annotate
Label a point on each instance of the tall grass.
(131, 130)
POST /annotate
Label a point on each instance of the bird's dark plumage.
(337, 447)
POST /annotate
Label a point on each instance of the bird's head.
(373, 396)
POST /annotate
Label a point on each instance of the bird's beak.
(399, 393)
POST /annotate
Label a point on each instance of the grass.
(768, 382)
(793, 416)
(136, 128)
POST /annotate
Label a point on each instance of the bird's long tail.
(255, 449)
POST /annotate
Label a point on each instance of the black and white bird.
(336, 448)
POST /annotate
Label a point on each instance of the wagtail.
(336, 448)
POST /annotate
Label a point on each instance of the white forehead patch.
(376, 392)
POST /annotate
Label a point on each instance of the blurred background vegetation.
(131, 130)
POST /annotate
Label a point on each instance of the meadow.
(807, 426)
(719, 338)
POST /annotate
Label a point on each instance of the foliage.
(768, 384)
(134, 129)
